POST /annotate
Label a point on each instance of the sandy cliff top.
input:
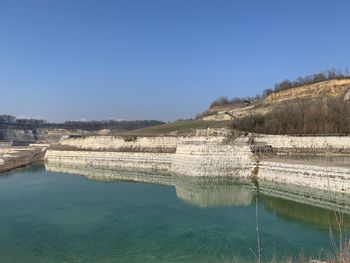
(330, 88)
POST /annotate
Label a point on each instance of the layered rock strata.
(212, 157)
(15, 157)
(195, 156)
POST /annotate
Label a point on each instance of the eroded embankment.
(213, 156)
(15, 157)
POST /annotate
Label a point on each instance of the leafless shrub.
(327, 116)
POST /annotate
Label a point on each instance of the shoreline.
(16, 157)
(208, 156)
(191, 188)
(216, 156)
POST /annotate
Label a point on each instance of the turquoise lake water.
(60, 217)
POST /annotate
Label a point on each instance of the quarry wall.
(308, 142)
(210, 157)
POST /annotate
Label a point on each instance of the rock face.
(158, 162)
(210, 157)
(195, 156)
(203, 158)
(31, 135)
(11, 158)
(128, 143)
(330, 88)
(335, 179)
(237, 112)
(308, 142)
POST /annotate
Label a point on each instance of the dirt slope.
(330, 88)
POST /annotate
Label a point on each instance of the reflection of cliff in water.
(107, 175)
(212, 195)
(198, 191)
(291, 202)
(294, 211)
(330, 200)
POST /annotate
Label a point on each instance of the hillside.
(324, 89)
(185, 127)
(329, 88)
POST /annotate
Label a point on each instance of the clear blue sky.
(159, 59)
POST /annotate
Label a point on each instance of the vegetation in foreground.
(342, 255)
(341, 247)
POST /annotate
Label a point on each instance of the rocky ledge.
(219, 156)
(15, 157)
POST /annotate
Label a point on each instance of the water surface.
(60, 217)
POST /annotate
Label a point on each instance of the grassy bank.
(187, 127)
